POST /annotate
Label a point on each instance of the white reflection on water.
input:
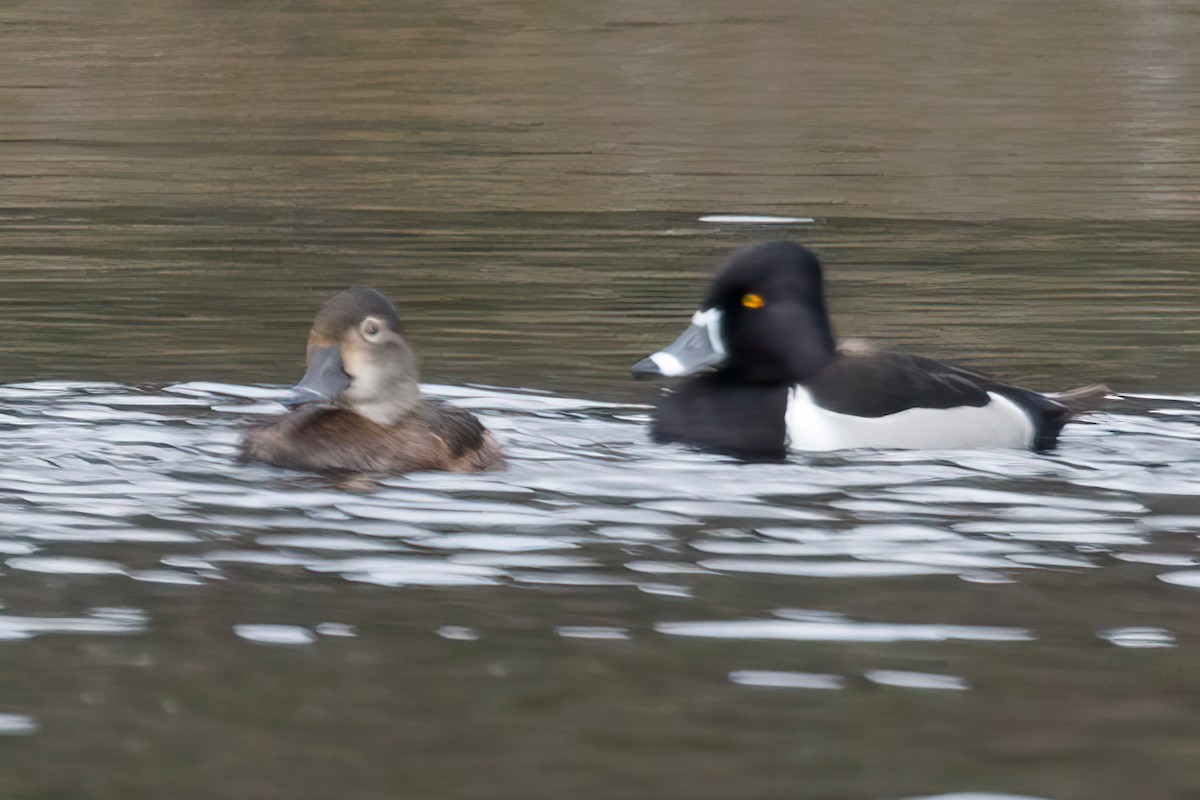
(902, 679)
(796, 631)
(17, 725)
(1139, 638)
(275, 634)
(977, 796)
(458, 633)
(499, 542)
(819, 569)
(98, 620)
(754, 219)
(588, 504)
(1188, 577)
(773, 679)
(601, 632)
(65, 566)
(409, 571)
(339, 629)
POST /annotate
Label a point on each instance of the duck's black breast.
(435, 436)
(714, 412)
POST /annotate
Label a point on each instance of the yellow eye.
(752, 301)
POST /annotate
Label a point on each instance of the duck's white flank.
(1001, 423)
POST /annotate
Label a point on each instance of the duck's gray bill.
(697, 348)
(324, 380)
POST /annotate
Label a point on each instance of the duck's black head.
(358, 358)
(763, 320)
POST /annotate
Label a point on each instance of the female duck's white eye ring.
(371, 328)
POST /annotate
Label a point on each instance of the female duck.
(365, 411)
(782, 382)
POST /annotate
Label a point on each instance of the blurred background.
(1008, 185)
(183, 183)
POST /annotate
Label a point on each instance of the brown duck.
(363, 408)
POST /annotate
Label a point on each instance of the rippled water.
(543, 189)
(602, 597)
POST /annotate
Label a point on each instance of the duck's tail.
(1085, 398)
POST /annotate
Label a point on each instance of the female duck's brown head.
(358, 358)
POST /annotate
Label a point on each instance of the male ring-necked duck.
(781, 382)
(364, 409)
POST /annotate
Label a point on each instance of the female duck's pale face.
(382, 369)
(359, 359)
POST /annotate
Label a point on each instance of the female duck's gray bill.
(698, 347)
(324, 380)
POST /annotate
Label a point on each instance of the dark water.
(1010, 186)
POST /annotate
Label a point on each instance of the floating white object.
(755, 219)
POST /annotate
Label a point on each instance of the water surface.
(1008, 186)
(605, 604)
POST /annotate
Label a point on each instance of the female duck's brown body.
(435, 436)
(369, 416)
